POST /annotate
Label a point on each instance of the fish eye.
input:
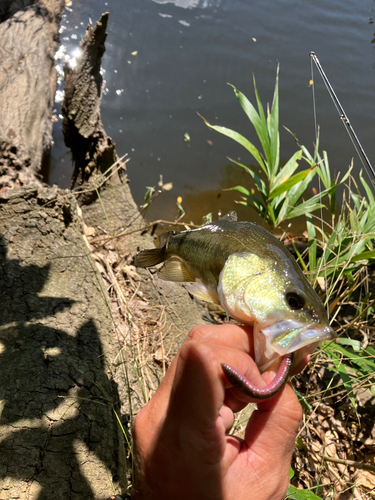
(295, 301)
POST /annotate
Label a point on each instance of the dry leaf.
(131, 272)
(322, 282)
(168, 186)
(89, 231)
(366, 479)
(112, 258)
(160, 358)
(330, 444)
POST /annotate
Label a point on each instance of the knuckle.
(197, 333)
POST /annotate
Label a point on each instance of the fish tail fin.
(148, 258)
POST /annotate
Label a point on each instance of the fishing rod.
(344, 117)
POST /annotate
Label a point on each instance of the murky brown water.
(166, 60)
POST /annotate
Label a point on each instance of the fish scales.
(255, 279)
(210, 246)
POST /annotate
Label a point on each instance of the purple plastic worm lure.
(242, 384)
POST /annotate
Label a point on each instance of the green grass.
(279, 189)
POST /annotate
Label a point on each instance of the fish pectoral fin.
(175, 270)
(202, 293)
(149, 258)
(231, 216)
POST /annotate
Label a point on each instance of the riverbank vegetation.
(335, 448)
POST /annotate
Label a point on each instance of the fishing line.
(313, 96)
(319, 181)
(345, 120)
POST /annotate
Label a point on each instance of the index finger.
(235, 336)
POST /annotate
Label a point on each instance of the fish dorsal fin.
(175, 270)
(164, 237)
(231, 216)
(202, 293)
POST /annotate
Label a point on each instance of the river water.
(166, 60)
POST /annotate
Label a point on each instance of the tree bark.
(92, 149)
(59, 437)
(28, 40)
(80, 350)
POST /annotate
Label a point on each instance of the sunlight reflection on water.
(172, 58)
(185, 4)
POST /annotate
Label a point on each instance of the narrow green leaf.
(311, 233)
(355, 344)
(258, 181)
(240, 189)
(370, 196)
(261, 207)
(357, 200)
(304, 403)
(259, 103)
(293, 196)
(347, 381)
(302, 209)
(354, 358)
(297, 494)
(258, 123)
(370, 255)
(288, 169)
(273, 129)
(354, 222)
(316, 149)
(271, 213)
(324, 171)
(287, 185)
(310, 205)
(241, 140)
(251, 205)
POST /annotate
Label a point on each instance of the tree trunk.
(59, 437)
(92, 149)
(80, 351)
(28, 40)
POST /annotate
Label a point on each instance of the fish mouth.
(289, 336)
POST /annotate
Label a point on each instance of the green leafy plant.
(298, 494)
(151, 193)
(340, 246)
(280, 190)
(148, 198)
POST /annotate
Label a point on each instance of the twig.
(119, 164)
(350, 463)
(155, 223)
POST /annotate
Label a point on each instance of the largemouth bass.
(255, 279)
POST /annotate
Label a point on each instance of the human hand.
(182, 447)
